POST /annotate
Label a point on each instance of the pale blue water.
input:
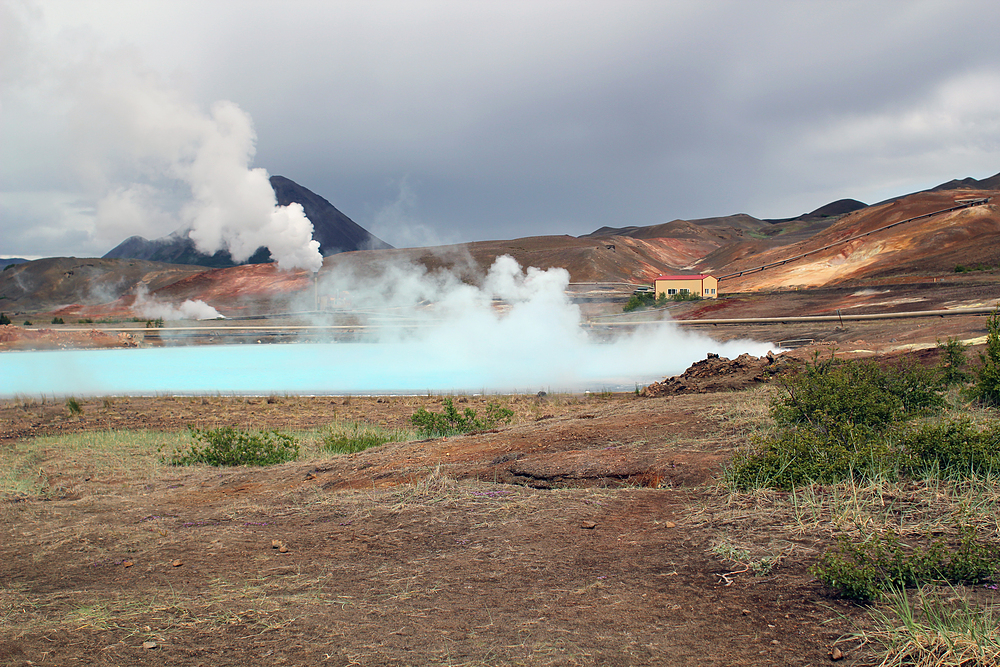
(313, 368)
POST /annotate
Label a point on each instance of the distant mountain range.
(335, 232)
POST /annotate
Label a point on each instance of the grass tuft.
(349, 437)
(935, 632)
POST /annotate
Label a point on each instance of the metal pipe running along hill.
(815, 318)
(960, 204)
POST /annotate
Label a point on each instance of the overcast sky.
(434, 122)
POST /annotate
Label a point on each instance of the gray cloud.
(450, 121)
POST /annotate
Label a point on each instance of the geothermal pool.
(348, 368)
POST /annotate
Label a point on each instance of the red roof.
(695, 276)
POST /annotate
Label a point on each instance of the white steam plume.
(149, 307)
(518, 330)
(143, 155)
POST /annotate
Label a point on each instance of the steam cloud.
(147, 306)
(518, 329)
(232, 206)
(150, 160)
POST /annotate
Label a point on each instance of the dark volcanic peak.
(334, 231)
(839, 207)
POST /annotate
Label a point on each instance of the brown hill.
(924, 247)
(99, 288)
(56, 282)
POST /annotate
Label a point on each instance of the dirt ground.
(586, 534)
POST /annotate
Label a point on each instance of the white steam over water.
(518, 332)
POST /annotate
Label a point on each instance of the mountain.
(334, 231)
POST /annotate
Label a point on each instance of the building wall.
(707, 287)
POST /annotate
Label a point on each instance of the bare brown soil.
(585, 534)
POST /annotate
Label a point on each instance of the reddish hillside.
(924, 247)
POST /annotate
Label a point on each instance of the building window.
(671, 292)
(685, 291)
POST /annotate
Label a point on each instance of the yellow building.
(704, 286)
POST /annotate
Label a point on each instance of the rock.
(128, 563)
(177, 563)
(836, 654)
(588, 525)
(670, 524)
(275, 544)
(150, 645)
(282, 549)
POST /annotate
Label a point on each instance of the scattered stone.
(836, 654)
(588, 525)
(276, 544)
(670, 524)
(282, 549)
(128, 563)
(150, 645)
(177, 563)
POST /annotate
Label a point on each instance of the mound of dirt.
(717, 373)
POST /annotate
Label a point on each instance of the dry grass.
(933, 630)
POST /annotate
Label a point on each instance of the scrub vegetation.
(452, 422)
(228, 446)
(350, 437)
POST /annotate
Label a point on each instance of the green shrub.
(227, 446)
(4, 319)
(57, 320)
(842, 420)
(950, 449)
(843, 397)
(27, 323)
(73, 406)
(952, 360)
(864, 570)
(451, 421)
(987, 387)
(640, 301)
(351, 437)
(797, 457)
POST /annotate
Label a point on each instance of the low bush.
(4, 319)
(987, 385)
(57, 320)
(841, 420)
(843, 397)
(865, 570)
(952, 361)
(351, 437)
(227, 446)
(73, 406)
(452, 422)
(949, 449)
